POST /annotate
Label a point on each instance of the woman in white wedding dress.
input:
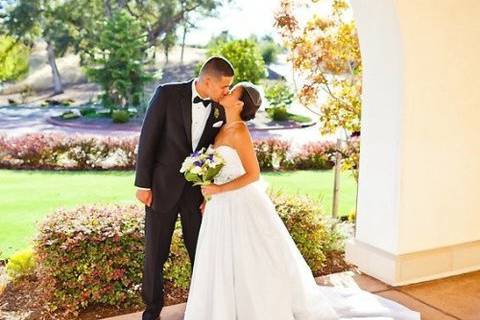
(247, 266)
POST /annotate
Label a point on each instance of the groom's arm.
(152, 128)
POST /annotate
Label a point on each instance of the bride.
(247, 267)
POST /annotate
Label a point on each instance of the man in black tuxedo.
(181, 118)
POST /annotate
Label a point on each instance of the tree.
(245, 57)
(268, 48)
(13, 59)
(168, 42)
(160, 17)
(29, 20)
(326, 52)
(117, 62)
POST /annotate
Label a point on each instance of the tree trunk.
(183, 42)
(336, 181)
(166, 49)
(107, 7)
(57, 81)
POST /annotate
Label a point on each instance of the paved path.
(19, 120)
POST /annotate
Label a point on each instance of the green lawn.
(28, 196)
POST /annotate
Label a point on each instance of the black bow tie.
(205, 102)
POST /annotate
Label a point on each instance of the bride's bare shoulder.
(241, 133)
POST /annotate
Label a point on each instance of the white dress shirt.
(200, 115)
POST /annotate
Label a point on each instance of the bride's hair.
(252, 100)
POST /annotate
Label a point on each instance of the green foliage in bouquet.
(202, 166)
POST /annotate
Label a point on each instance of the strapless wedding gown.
(247, 266)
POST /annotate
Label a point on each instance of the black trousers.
(159, 227)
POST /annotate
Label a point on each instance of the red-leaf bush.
(93, 255)
(315, 155)
(65, 152)
(90, 255)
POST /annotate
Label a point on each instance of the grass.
(26, 197)
(298, 118)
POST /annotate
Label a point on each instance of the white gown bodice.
(233, 167)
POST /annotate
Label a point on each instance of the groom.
(181, 118)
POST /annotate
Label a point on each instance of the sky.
(242, 18)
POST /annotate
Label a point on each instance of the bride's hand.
(211, 189)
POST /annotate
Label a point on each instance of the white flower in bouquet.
(202, 166)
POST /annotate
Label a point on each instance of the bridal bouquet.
(202, 166)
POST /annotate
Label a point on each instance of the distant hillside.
(40, 76)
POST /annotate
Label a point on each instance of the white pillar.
(419, 186)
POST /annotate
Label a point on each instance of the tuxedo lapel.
(207, 131)
(186, 104)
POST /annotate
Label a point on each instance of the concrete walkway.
(446, 299)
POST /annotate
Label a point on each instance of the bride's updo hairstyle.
(251, 99)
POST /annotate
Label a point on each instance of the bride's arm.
(244, 146)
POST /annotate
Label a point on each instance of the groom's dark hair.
(217, 66)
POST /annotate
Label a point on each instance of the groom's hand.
(145, 197)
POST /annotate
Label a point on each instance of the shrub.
(88, 111)
(272, 154)
(278, 113)
(90, 255)
(270, 51)
(280, 97)
(245, 57)
(67, 115)
(21, 264)
(315, 155)
(309, 229)
(58, 151)
(120, 116)
(279, 94)
(94, 255)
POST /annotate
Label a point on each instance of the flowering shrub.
(315, 155)
(64, 152)
(272, 154)
(59, 151)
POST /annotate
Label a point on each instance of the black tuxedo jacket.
(165, 142)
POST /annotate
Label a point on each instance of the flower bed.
(65, 152)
